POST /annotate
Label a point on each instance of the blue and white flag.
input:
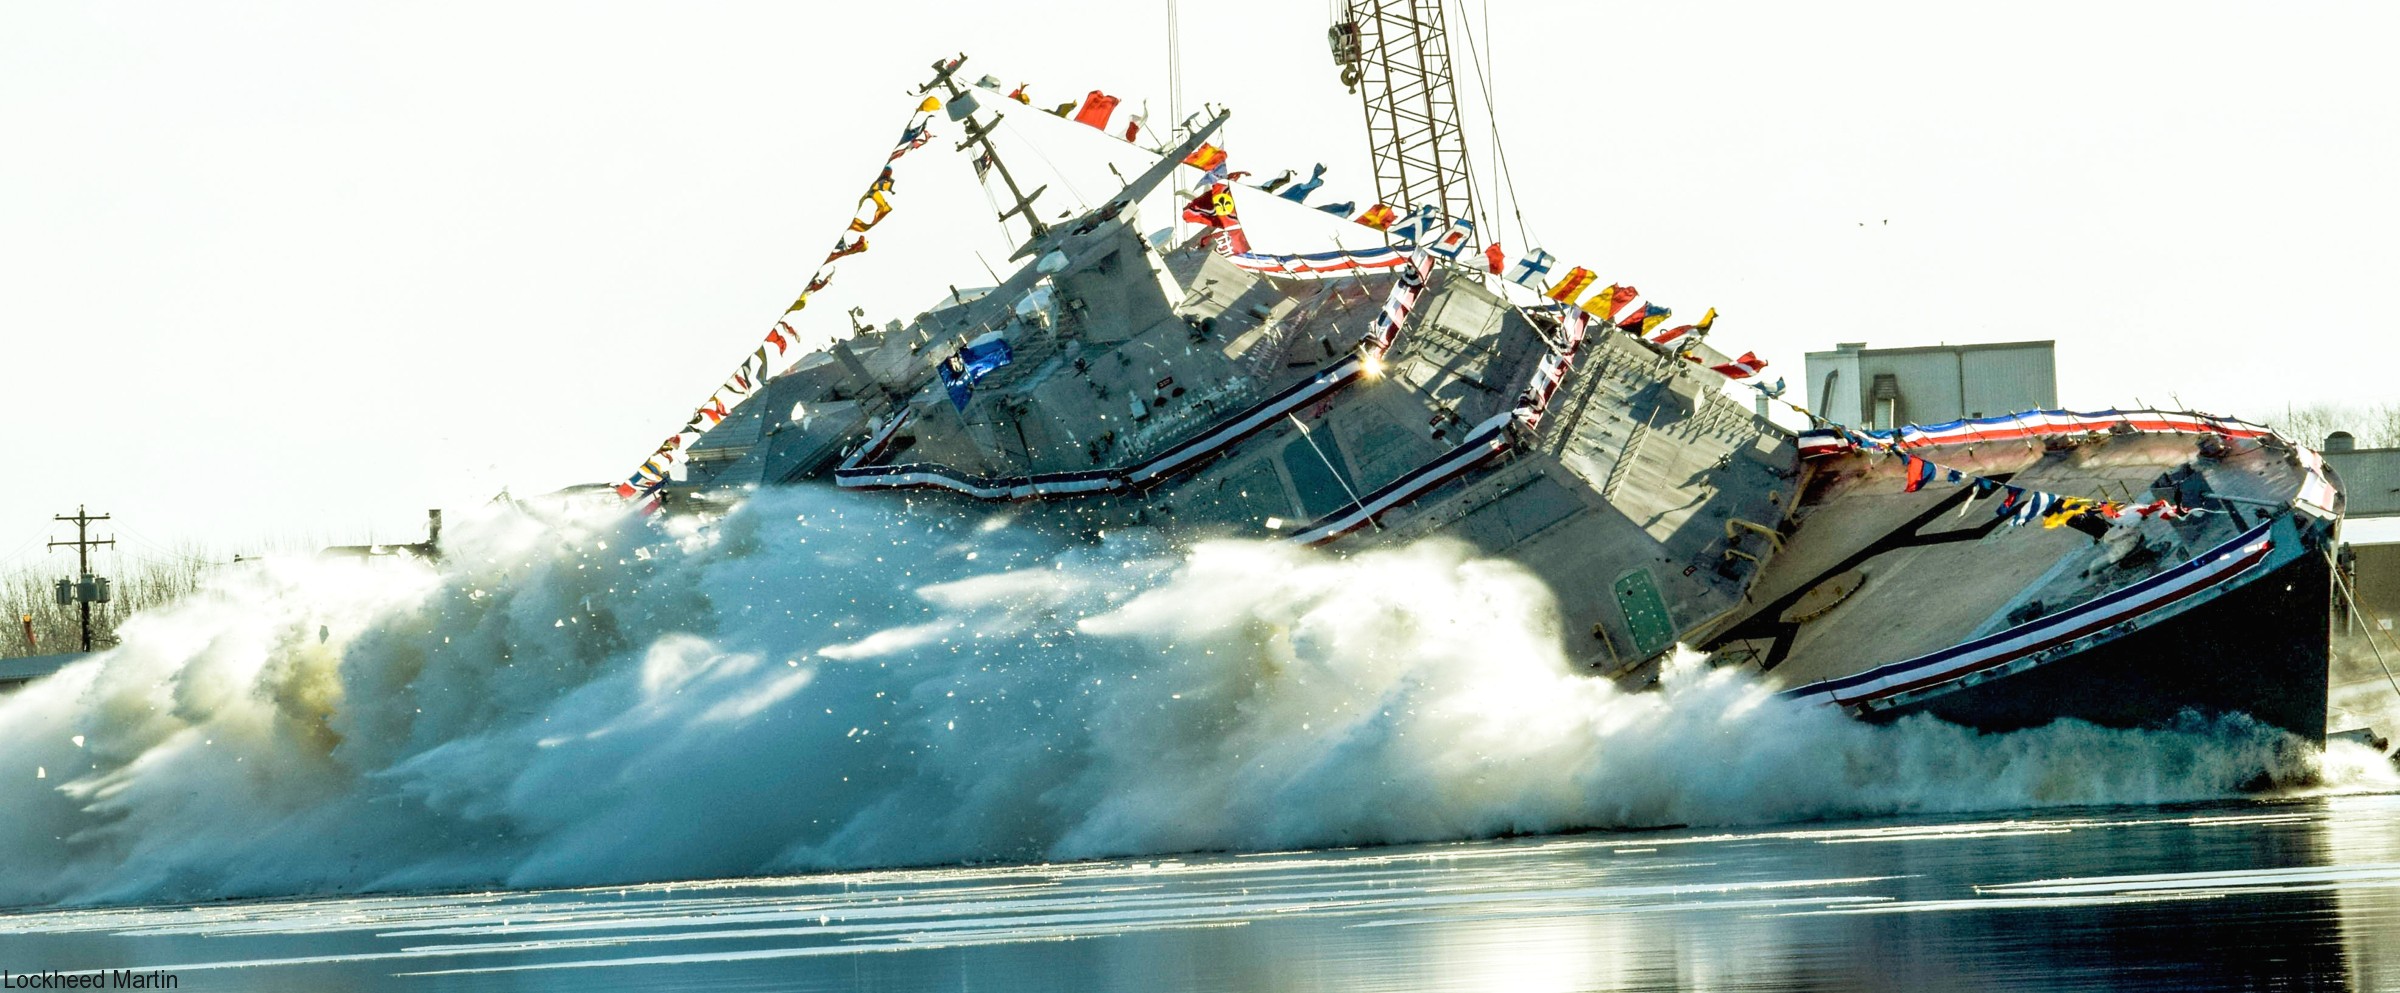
(1424, 226)
(2033, 507)
(1342, 210)
(1453, 241)
(1528, 271)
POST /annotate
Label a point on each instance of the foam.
(826, 680)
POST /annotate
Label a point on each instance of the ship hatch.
(1645, 613)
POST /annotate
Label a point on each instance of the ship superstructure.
(1124, 376)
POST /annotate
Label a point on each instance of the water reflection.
(2292, 895)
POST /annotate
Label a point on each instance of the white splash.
(821, 681)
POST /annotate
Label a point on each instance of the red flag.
(1214, 208)
(1133, 129)
(776, 335)
(1913, 471)
(1198, 211)
(1497, 258)
(1097, 107)
(1205, 158)
(1742, 368)
(1625, 294)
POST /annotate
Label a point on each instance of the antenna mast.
(1395, 55)
(980, 135)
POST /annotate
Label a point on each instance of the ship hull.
(2259, 648)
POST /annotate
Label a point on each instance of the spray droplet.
(40, 773)
(78, 740)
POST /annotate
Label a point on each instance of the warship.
(1408, 390)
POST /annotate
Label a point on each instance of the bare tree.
(2375, 425)
(2383, 427)
(28, 592)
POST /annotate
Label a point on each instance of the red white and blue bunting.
(1322, 265)
(1495, 435)
(2023, 505)
(1835, 439)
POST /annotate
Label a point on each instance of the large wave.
(820, 680)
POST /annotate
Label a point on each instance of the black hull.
(2262, 649)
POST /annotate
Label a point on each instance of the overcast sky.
(306, 269)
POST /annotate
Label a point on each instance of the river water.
(2246, 894)
(573, 706)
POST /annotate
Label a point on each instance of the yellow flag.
(2065, 511)
(882, 207)
(930, 104)
(1572, 286)
(1706, 320)
(797, 304)
(1599, 305)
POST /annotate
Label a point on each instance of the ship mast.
(1395, 55)
(978, 134)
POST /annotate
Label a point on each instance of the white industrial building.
(1881, 388)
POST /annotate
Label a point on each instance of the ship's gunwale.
(2078, 616)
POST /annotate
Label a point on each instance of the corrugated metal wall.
(1936, 383)
(2370, 479)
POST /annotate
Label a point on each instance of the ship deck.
(1929, 576)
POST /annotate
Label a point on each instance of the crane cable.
(1491, 115)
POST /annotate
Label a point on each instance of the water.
(2291, 894)
(827, 684)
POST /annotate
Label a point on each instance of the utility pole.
(91, 589)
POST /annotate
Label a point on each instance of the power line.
(20, 548)
(161, 551)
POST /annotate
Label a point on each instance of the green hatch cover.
(1645, 613)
